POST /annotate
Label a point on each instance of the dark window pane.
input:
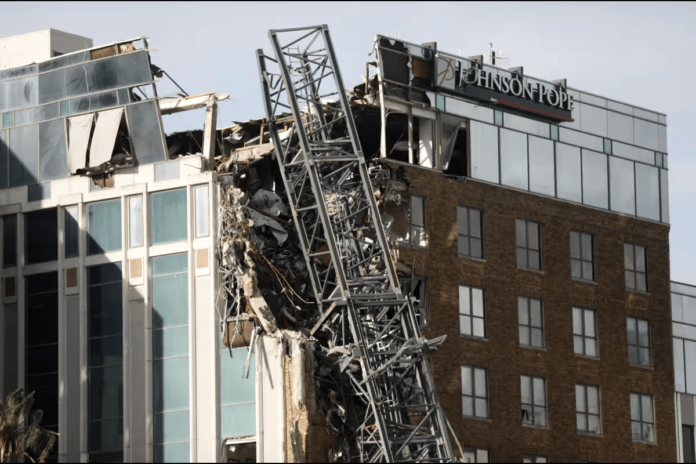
(534, 260)
(24, 155)
(105, 303)
(42, 344)
(4, 159)
(42, 317)
(104, 274)
(10, 241)
(146, 133)
(106, 351)
(688, 444)
(105, 392)
(41, 236)
(45, 388)
(42, 360)
(72, 230)
(53, 153)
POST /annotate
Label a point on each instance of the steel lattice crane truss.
(368, 326)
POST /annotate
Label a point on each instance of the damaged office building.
(423, 267)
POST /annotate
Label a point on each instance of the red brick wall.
(504, 434)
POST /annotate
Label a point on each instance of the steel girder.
(393, 409)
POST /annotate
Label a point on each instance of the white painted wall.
(35, 47)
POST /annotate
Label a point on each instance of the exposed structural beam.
(368, 329)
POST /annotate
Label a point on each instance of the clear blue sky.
(639, 53)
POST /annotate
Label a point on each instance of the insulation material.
(104, 137)
(80, 128)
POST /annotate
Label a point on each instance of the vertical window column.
(42, 347)
(9, 241)
(105, 404)
(170, 351)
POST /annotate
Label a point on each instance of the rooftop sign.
(474, 80)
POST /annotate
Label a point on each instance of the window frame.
(641, 421)
(475, 450)
(638, 345)
(410, 241)
(468, 235)
(471, 315)
(530, 327)
(474, 396)
(634, 271)
(580, 259)
(532, 405)
(527, 249)
(585, 387)
(584, 335)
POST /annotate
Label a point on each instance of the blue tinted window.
(168, 218)
(103, 227)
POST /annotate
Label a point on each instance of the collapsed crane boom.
(369, 327)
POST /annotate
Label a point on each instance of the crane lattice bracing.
(370, 326)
